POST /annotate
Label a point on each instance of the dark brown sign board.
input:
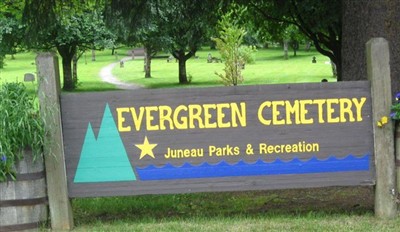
(218, 139)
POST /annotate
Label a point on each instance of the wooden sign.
(218, 139)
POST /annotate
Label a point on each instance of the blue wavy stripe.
(259, 168)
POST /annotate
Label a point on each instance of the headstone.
(29, 77)
(138, 52)
(121, 64)
(314, 60)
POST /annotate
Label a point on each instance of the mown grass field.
(322, 209)
(269, 68)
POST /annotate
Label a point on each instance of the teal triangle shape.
(104, 159)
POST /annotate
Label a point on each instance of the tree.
(9, 37)
(185, 25)
(363, 20)
(294, 36)
(94, 35)
(136, 22)
(319, 20)
(228, 43)
(153, 42)
(150, 35)
(11, 30)
(65, 26)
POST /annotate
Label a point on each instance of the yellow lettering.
(320, 103)
(150, 118)
(292, 109)
(359, 105)
(208, 116)
(330, 110)
(304, 112)
(221, 116)
(137, 119)
(238, 115)
(345, 108)
(165, 115)
(211, 150)
(277, 149)
(276, 113)
(270, 149)
(260, 113)
(195, 114)
(263, 148)
(288, 148)
(121, 119)
(182, 124)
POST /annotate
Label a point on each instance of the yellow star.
(146, 148)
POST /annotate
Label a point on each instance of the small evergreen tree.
(229, 45)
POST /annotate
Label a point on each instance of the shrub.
(229, 44)
(21, 127)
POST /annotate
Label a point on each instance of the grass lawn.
(15, 69)
(269, 68)
(88, 70)
(322, 209)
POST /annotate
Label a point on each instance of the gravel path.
(107, 76)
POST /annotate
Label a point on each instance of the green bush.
(21, 127)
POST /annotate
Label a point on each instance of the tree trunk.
(308, 46)
(338, 63)
(93, 55)
(182, 71)
(295, 46)
(147, 63)
(182, 58)
(68, 81)
(67, 52)
(75, 70)
(285, 49)
(363, 20)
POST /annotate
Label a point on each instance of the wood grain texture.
(334, 139)
(378, 69)
(49, 90)
(23, 202)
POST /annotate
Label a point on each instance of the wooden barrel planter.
(23, 203)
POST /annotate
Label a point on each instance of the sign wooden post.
(397, 151)
(49, 90)
(378, 70)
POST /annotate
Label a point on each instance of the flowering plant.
(395, 114)
(21, 127)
